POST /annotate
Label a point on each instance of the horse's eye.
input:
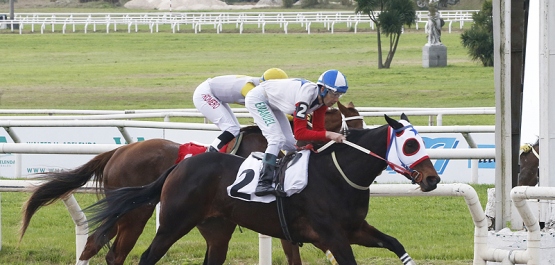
(411, 147)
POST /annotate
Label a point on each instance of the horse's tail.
(60, 184)
(106, 212)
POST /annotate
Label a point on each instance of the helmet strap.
(324, 92)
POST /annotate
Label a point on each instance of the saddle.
(282, 165)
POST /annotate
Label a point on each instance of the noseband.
(344, 120)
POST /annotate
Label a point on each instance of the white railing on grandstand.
(196, 20)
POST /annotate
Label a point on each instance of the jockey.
(213, 96)
(271, 101)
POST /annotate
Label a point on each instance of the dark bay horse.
(141, 163)
(529, 164)
(329, 213)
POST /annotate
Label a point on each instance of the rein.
(413, 175)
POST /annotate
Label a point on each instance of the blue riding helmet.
(333, 80)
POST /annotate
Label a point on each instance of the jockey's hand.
(337, 137)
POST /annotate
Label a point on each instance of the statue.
(434, 53)
(433, 28)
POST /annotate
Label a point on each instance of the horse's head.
(406, 154)
(529, 163)
(343, 118)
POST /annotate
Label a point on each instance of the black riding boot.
(266, 176)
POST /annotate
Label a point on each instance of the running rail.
(458, 189)
(482, 253)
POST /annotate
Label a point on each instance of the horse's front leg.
(339, 246)
(292, 252)
(369, 236)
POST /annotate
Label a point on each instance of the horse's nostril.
(433, 180)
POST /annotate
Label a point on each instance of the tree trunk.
(380, 64)
(394, 41)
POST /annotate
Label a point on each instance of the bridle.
(344, 120)
(415, 176)
(527, 148)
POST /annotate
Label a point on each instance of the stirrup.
(270, 191)
(210, 149)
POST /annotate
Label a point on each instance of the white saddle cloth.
(296, 178)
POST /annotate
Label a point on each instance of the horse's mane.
(353, 135)
(250, 129)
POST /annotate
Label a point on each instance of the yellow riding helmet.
(273, 73)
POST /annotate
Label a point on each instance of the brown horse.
(141, 163)
(330, 211)
(529, 164)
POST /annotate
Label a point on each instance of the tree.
(389, 16)
(479, 38)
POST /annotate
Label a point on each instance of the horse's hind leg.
(369, 236)
(129, 228)
(91, 248)
(166, 236)
(217, 232)
(178, 216)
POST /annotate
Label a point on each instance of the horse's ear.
(404, 117)
(341, 107)
(351, 105)
(393, 123)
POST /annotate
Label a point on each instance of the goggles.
(334, 94)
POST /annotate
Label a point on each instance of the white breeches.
(215, 110)
(273, 123)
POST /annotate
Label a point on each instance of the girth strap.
(279, 178)
(282, 222)
(238, 141)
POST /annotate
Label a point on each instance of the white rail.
(131, 21)
(482, 253)
(16, 148)
(438, 113)
(376, 190)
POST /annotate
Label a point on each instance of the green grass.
(434, 230)
(160, 70)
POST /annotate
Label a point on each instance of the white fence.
(53, 114)
(107, 22)
(482, 253)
